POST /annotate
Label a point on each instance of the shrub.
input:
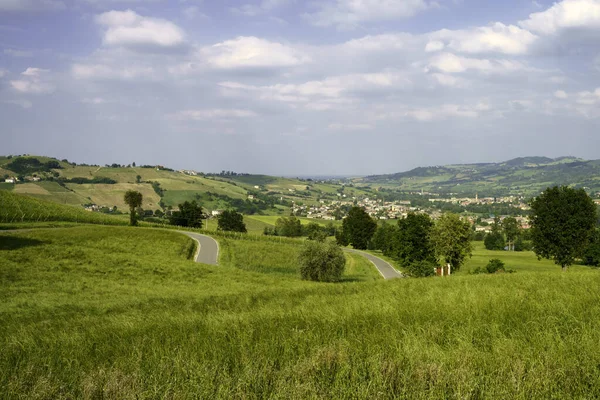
(421, 269)
(495, 265)
(321, 262)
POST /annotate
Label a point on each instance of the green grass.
(520, 261)
(281, 258)
(117, 312)
(16, 208)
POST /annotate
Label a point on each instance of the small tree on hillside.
(288, 226)
(134, 200)
(321, 262)
(562, 224)
(359, 228)
(190, 215)
(232, 221)
(451, 240)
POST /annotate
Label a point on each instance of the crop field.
(123, 313)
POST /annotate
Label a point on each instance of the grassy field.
(280, 258)
(117, 312)
(15, 208)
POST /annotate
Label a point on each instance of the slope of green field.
(15, 208)
(121, 313)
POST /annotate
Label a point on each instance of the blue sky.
(290, 87)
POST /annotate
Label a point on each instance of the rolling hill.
(525, 175)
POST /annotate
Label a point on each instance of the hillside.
(63, 182)
(526, 176)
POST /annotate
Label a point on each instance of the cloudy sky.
(290, 87)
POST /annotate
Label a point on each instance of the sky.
(292, 87)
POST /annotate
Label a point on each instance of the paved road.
(208, 248)
(384, 268)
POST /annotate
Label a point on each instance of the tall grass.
(115, 312)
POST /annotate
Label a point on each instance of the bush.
(321, 262)
(495, 265)
(421, 269)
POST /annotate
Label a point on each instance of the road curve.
(208, 248)
(385, 268)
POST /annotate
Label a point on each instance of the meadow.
(15, 208)
(117, 312)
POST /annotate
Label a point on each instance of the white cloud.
(447, 80)
(451, 63)
(34, 81)
(495, 38)
(18, 53)
(128, 29)
(434, 45)
(565, 15)
(252, 52)
(350, 127)
(26, 104)
(561, 94)
(212, 114)
(101, 71)
(31, 5)
(3, 73)
(329, 93)
(347, 14)
(265, 6)
(588, 98)
(93, 100)
(193, 12)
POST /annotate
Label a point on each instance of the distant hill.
(64, 182)
(524, 175)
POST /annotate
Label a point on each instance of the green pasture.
(16, 208)
(115, 312)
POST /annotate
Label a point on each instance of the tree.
(384, 238)
(189, 214)
(321, 262)
(562, 224)
(134, 200)
(359, 228)
(413, 242)
(314, 231)
(591, 255)
(511, 228)
(288, 226)
(495, 239)
(450, 237)
(138, 179)
(231, 221)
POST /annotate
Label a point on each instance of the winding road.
(208, 248)
(385, 268)
(208, 253)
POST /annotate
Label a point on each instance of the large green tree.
(358, 227)
(190, 215)
(232, 221)
(451, 239)
(413, 242)
(134, 200)
(562, 224)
